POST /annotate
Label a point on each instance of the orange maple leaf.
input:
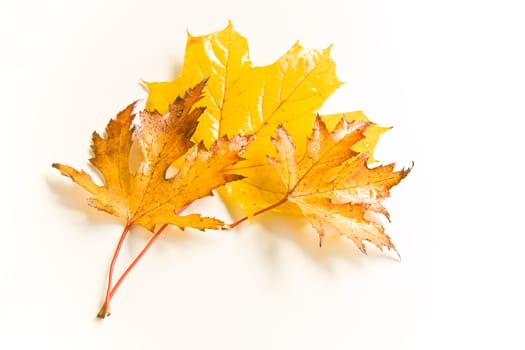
(144, 195)
(332, 185)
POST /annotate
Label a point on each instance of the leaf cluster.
(252, 133)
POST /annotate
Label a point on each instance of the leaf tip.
(297, 46)
(405, 171)
(398, 255)
(188, 35)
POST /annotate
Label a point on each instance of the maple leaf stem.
(106, 310)
(136, 260)
(258, 212)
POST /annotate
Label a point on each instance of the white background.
(448, 75)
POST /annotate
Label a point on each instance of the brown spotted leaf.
(145, 195)
(332, 185)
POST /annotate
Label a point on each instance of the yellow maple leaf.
(332, 185)
(245, 99)
(255, 100)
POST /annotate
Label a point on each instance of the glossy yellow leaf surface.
(245, 99)
(332, 185)
(144, 194)
(223, 58)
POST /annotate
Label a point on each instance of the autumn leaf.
(145, 195)
(255, 100)
(332, 185)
